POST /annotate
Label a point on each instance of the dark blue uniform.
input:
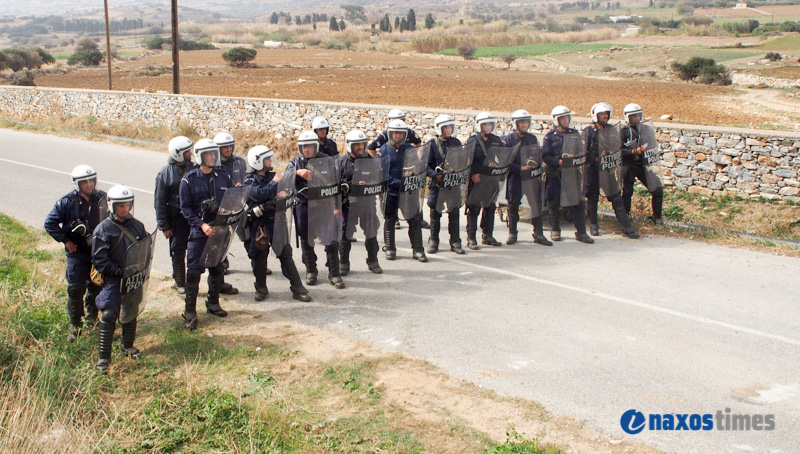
(482, 148)
(383, 139)
(58, 224)
(346, 167)
(514, 184)
(169, 217)
(436, 159)
(108, 256)
(328, 147)
(634, 168)
(551, 154)
(392, 161)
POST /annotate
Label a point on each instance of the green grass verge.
(529, 50)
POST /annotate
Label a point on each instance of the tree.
(288, 19)
(354, 12)
(46, 57)
(342, 25)
(508, 59)
(397, 23)
(411, 20)
(467, 50)
(86, 44)
(85, 57)
(334, 25)
(429, 21)
(238, 56)
(403, 25)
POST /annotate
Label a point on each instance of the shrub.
(26, 80)
(467, 50)
(703, 70)
(773, 56)
(508, 59)
(85, 57)
(238, 56)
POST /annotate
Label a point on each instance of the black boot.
(579, 220)
(555, 222)
(190, 298)
(538, 232)
(226, 288)
(309, 258)
(436, 227)
(513, 220)
(622, 218)
(657, 203)
(108, 321)
(127, 340)
(472, 227)
(344, 255)
(372, 255)
(591, 212)
(388, 238)
(415, 235)
(179, 271)
(334, 272)
(260, 273)
(290, 272)
(487, 227)
(75, 294)
(214, 284)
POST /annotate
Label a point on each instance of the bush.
(608, 69)
(18, 59)
(773, 56)
(238, 56)
(87, 45)
(703, 70)
(508, 59)
(467, 50)
(46, 57)
(85, 57)
(157, 42)
(26, 80)
(694, 20)
(789, 26)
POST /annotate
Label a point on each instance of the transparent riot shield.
(238, 170)
(324, 202)
(531, 178)
(609, 149)
(455, 177)
(365, 194)
(412, 183)
(573, 160)
(284, 201)
(651, 157)
(229, 217)
(493, 173)
(102, 209)
(135, 275)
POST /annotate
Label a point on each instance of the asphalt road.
(660, 325)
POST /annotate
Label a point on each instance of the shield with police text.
(455, 177)
(531, 178)
(492, 174)
(573, 161)
(324, 202)
(365, 194)
(412, 183)
(135, 275)
(609, 152)
(651, 157)
(230, 215)
(284, 201)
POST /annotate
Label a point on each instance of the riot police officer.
(359, 170)
(632, 156)
(322, 128)
(169, 219)
(263, 184)
(485, 139)
(393, 159)
(201, 191)
(111, 241)
(236, 166)
(556, 160)
(520, 136)
(443, 141)
(309, 149)
(72, 221)
(601, 112)
(383, 137)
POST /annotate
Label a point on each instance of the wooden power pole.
(176, 84)
(108, 45)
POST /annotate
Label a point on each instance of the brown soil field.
(377, 78)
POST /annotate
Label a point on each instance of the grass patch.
(789, 43)
(529, 50)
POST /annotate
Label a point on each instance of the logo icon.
(632, 421)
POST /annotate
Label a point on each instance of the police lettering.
(330, 191)
(610, 162)
(450, 180)
(651, 156)
(414, 182)
(134, 282)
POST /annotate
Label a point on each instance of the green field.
(790, 43)
(65, 55)
(529, 50)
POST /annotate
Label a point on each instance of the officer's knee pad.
(76, 290)
(109, 316)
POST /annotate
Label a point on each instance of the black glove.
(117, 272)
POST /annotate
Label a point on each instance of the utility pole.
(108, 45)
(176, 84)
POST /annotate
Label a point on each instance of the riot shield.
(284, 201)
(609, 150)
(573, 160)
(651, 157)
(135, 275)
(230, 215)
(531, 178)
(494, 171)
(324, 202)
(102, 209)
(238, 170)
(366, 190)
(455, 177)
(412, 184)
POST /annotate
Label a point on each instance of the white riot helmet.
(224, 139)
(320, 122)
(257, 155)
(353, 137)
(203, 147)
(558, 112)
(485, 118)
(120, 194)
(83, 173)
(632, 109)
(396, 114)
(599, 108)
(308, 138)
(442, 121)
(520, 115)
(178, 146)
(397, 126)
